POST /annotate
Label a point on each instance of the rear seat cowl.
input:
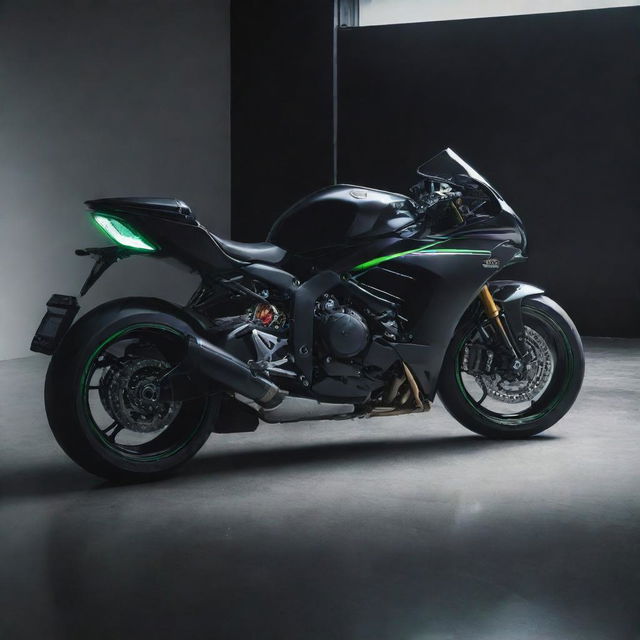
(159, 206)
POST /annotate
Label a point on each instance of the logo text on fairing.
(491, 263)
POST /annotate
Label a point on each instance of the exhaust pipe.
(229, 371)
(274, 405)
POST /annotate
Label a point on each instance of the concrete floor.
(399, 528)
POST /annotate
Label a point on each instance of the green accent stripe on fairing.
(425, 249)
(375, 261)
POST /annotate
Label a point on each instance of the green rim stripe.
(84, 400)
(425, 249)
(513, 420)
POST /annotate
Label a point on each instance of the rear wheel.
(104, 401)
(498, 401)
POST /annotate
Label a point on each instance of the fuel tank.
(340, 215)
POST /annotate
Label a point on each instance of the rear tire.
(66, 401)
(566, 380)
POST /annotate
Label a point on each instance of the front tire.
(99, 393)
(542, 318)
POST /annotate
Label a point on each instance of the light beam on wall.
(375, 12)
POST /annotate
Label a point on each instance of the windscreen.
(449, 167)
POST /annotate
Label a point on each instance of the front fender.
(509, 295)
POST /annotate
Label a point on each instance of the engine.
(260, 334)
(343, 332)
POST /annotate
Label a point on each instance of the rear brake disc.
(130, 393)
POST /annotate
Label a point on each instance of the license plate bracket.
(61, 311)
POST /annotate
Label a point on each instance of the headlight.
(122, 233)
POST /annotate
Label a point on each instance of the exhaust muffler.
(272, 404)
(229, 371)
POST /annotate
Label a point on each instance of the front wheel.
(481, 389)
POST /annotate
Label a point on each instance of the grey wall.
(103, 98)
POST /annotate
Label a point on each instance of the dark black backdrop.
(546, 106)
(281, 108)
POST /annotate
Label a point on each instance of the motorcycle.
(361, 303)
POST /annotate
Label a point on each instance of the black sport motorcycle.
(361, 303)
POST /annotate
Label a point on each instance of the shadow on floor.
(337, 452)
(60, 478)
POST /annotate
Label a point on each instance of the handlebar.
(427, 199)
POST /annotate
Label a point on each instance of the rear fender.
(62, 309)
(142, 307)
(138, 310)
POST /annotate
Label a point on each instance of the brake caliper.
(477, 359)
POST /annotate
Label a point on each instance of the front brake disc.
(526, 385)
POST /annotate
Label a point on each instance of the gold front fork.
(493, 313)
(491, 308)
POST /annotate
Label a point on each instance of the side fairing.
(433, 282)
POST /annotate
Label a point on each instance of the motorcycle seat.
(251, 251)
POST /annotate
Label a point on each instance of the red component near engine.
(264, 313)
